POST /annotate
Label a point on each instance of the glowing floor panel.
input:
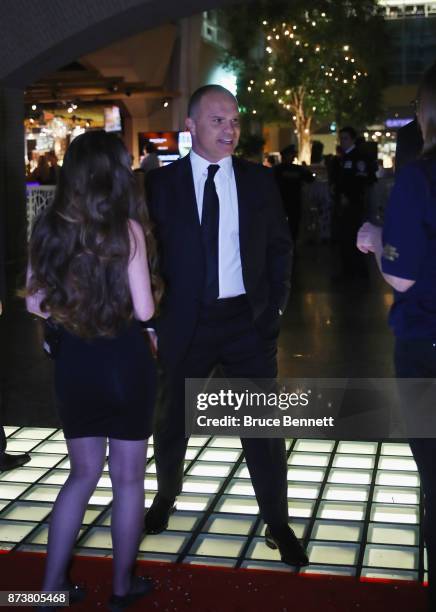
(356, 506)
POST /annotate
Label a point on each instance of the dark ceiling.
(37, 38)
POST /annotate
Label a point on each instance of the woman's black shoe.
(140, 586)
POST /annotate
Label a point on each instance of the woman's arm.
(369, 240)
(139, 275)
(33, 302)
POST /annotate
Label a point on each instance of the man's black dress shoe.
(10, 462)
(158, 515)
(291, 551)
(140, 586)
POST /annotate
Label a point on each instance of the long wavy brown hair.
(80, 245)
(427, 111)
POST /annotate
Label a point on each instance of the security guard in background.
(290, 178)
(353, 177)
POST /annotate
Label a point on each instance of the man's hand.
(369, 238)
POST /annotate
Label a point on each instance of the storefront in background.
(48, 131)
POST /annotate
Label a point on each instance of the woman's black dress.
(105, 386)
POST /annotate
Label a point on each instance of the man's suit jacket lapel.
(188, 202)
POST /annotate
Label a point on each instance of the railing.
(38, 198)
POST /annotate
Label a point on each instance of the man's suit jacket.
(265, 248)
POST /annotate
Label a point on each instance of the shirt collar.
(200, 165)
(350, 149)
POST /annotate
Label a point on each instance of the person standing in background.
(7, 461)
(290, 179)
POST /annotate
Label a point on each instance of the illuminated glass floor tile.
(397, 463)
(363, 462)
(57, 435)
(15, 531)
(309, 459)
(198, 441)
(343, 476)
(44, 460)
(42, 493)
(298, 525)
(237, 505)
(303, 491)
(16, 445)
(21, 511)
(226, 442)
(240, 487)
(12, 490)
(52, 446)
(345, 511)
(397, 479)
(193, 560)
(23, 474)
(220, 546)
(202, 485)
(305, 474)
(336, 492)
(276, 565)
(337, 531)
(259, 550)
(328, 569)
(390, 495)
(228, 524)
(336, 554)
(167, 542)
(210, 454)
(97, 537)
(55, 477)
(379, 555)
(358, 448)
(406, 535)
(197, 503)
(394, 514)
(203, 468)
(386, 574)
(396, 448)
(242, 471)
(10, 430)
(314, 446)
(300, 508)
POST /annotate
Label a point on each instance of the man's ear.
(190, 125)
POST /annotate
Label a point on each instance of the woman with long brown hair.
(92, 276)
(405, 251)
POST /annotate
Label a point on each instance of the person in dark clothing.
(290, 179)
(7, 461)
(351, 180)
(226, 259)
(405, 251)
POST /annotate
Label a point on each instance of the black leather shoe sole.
(296, 557)
(156, 524)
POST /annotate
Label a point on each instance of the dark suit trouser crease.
(225, 335)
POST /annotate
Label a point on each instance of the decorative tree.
(311, 64)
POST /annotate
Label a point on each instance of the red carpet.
(193, 588)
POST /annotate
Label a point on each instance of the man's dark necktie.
(209, 232)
